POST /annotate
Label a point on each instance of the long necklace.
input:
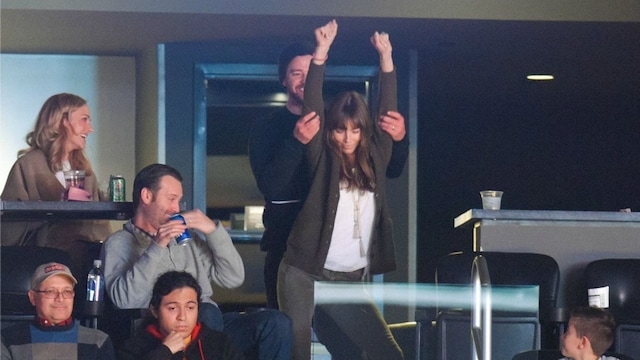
(355, 196)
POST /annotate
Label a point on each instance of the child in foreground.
(589, 335)
(174, 331)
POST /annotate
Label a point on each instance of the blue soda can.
(185, 237)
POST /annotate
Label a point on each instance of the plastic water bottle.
(95, 283)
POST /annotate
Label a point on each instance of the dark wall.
(558, 145)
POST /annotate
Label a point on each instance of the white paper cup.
(491, 199)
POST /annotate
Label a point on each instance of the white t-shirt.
(60, 175)
(351, 231)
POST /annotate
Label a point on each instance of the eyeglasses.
(53, 293)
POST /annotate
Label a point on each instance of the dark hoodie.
(206, 344)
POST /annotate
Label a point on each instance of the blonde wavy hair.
(49, 133)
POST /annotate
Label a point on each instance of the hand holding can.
(185, 237)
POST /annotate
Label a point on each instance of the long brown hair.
(350, 107)
(49, 134)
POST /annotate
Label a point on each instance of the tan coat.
(30, 179)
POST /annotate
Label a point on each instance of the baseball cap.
(45, 271)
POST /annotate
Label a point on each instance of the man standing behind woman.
(56, 144)
(344, 230)
(276, 152)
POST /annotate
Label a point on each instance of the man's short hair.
(149, 177)
(45, 271)
(290, 52)
(597, 325)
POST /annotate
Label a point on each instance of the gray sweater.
(133, 261)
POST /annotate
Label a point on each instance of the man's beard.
(296, 99)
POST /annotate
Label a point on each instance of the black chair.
(120, 324)
(622, 277)
(512, 332)
(539, 355)
(507, 268)
(510, 335)
(556, 355)
(17, 266)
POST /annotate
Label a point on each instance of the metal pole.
(481, 315)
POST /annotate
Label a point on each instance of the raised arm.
(391, 121)
(324, 38)
(387, 96)
(388, 88)
(313, 100)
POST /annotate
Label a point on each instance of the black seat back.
(507, 268)
(512, 332)
(622, 278)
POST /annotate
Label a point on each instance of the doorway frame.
(204, 72)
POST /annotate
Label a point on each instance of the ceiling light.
(540, 77)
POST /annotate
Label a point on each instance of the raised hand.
(198, 220)
(324, 38)
(381, 42)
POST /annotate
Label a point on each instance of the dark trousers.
(348, 330)
(354, 331)
(271, 264)
(278, 220)
(264, 334)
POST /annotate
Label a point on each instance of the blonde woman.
(56, 143)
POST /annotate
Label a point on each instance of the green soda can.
(117, 190)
